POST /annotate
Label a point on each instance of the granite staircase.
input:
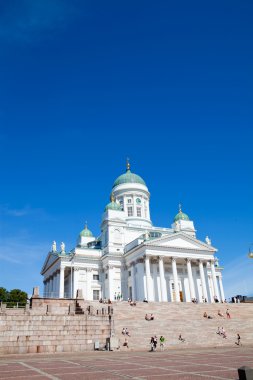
(172, 319)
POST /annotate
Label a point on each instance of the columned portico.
(148, 280)
(214, 279)
(133, 280)
(175, 278)
(190, 278)
(140, 280)
(164, 296)
(221, 289)
(51, 286)
(57, 280)
(203, 281)
(62, 269)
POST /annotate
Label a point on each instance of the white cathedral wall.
(158, 296)
(187, 290)
(199, 290)
(155, 284)
(131, 234)
(117, 281)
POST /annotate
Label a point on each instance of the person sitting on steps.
(181, 339)
(238, 342)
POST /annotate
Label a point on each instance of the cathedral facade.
(134, 259)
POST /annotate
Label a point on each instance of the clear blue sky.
(85, 84)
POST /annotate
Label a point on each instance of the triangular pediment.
(181, 240)
(50, 259)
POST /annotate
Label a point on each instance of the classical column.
(140, 288)
(61, 294)
(56, 289)
(156, 286)
(75, 284)
(215, 285)
(133, 280)
(148, 279)
(175, 277)
(208, 288)
(221, 288)
(110, 282)
(50, 286)
(203, 281)
(164, 296)
(190, 278)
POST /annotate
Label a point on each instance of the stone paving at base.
(185, 364)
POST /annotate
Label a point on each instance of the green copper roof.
(181, 216)
(128, 177)
(113, 206)
(86, 232)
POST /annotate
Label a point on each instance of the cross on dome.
(86, 232)
(181, 215)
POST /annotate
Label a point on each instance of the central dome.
(128, 177)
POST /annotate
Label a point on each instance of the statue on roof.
(62, 247)
(53, 248)
(177, 226)
(208, 241)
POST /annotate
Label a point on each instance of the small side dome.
(86, 232)
(113, 205)
(181, 215)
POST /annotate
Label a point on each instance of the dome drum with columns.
(132, 258)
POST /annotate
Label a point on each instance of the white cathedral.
(133, 259)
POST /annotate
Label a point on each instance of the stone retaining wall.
(52, 326)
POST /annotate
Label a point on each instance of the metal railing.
(14, 305)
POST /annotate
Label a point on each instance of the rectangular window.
(95, 277)
(129, 201)
(139, 211)
(130, 211)
(129, 273)
(106, 276)
(95, 295)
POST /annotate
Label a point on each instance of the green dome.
(86, 232)
(113, 206)
(181, 216)
(128, 177)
